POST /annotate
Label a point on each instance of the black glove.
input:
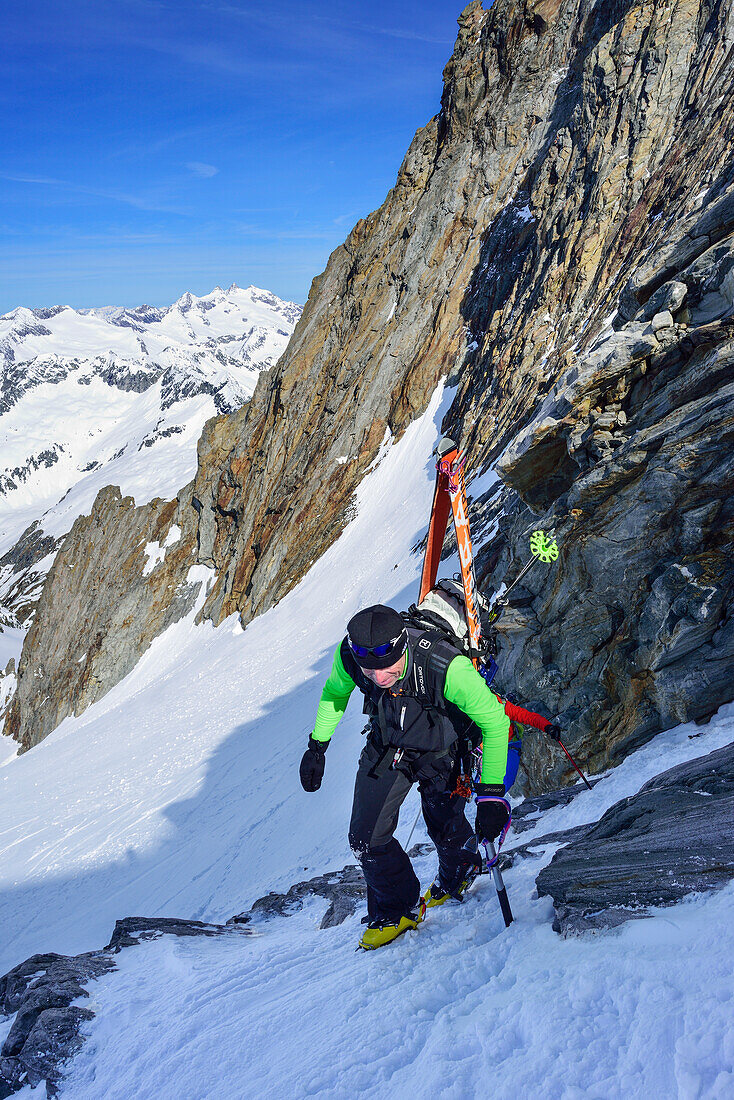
(553, 731)
(492, 816)
(312, 765)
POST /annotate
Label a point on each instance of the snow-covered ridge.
(220, 338)
(95, 397)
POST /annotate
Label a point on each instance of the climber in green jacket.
(420, 694)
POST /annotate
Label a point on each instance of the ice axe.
(491, 864)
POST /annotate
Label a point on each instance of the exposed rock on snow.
(525, 815)
(45, 1032)
(675, 837)
(133, 930)
(40, 993)
(22, 573)
(345, 890)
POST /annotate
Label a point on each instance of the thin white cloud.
(139, 201)
(203, 171)
(408, 35)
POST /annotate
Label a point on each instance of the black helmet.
(377, 637)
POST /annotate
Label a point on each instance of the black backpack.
(443, 612)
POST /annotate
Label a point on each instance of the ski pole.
(410, 834)
(578, 769)
(543, 547)
(519, 577)
(499, 884)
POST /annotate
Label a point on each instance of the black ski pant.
(392, 885)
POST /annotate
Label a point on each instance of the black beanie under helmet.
(373, 627)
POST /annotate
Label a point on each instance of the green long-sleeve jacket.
(464, 687)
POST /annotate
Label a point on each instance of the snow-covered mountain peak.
(185, 301)
(116, 395)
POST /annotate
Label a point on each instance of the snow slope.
(461, 1008)
(177, 794)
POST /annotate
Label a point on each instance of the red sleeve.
(526, 717)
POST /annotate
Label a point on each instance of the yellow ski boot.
(436, 894)
(379, 932)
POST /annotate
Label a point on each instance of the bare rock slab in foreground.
(674, 837)
(45, 1033)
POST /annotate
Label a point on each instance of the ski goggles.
(375, 650)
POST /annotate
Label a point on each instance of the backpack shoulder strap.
(432, 655)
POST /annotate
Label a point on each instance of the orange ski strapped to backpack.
(450, 492)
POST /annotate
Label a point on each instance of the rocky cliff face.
(613, 322)
(125, 574)
(559, 242)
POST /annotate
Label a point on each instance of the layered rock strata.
(674, 837)
(628, 457)
(558, 243)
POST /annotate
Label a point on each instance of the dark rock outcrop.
(526, 815)
(532, 847)
(674, 837)
(20, 581)
(344, 890)
(45, 1033)
(132, 930)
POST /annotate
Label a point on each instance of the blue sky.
(158, 146)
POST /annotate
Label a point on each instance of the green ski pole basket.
(542, 547)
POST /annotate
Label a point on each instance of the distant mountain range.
(215, 344)
(93, 397)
